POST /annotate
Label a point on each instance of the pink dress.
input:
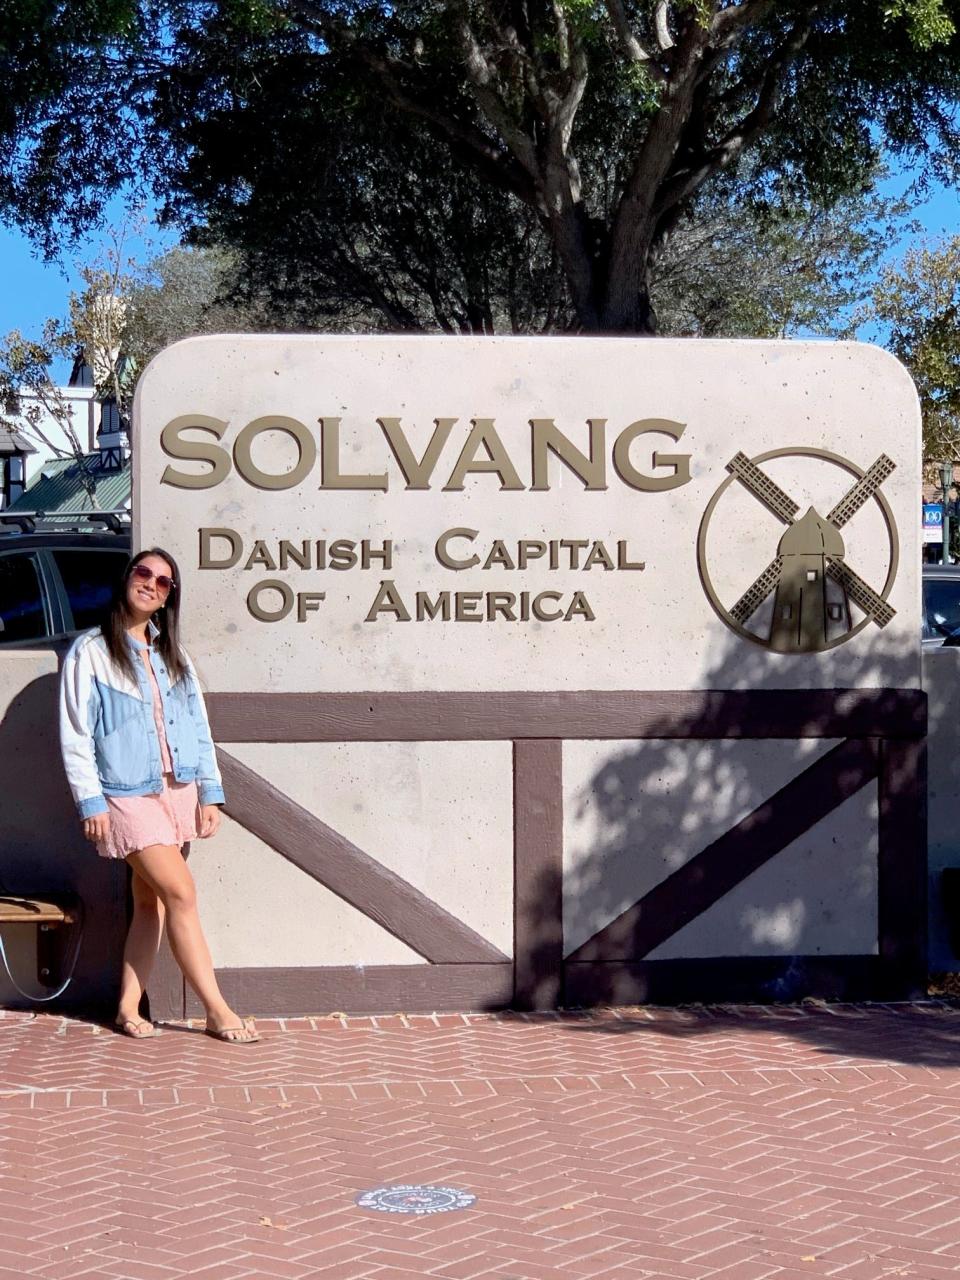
(137, 822)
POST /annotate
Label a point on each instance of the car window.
(88, 576)
(22, 611)
(941, 607)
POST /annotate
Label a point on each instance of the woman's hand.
(209, 820)
(97, 828)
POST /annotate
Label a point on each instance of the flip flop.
(121, 1026)
(225, 1034)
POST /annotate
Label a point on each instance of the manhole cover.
(409, 1198)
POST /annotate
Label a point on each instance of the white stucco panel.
(635, 812)
(440, 815)
(816, 897)
(258, 909)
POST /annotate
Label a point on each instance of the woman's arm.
(77, 699)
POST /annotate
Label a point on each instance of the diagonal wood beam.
(326, 856)
(702, 881)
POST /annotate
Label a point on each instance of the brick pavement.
(639, 1144)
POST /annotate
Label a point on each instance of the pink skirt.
(136, 822)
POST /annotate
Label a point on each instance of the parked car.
(53, 585)
(941, 604)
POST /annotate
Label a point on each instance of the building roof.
(11, 441)
(58, 489)
(81, 375)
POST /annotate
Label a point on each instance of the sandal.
(228, 1034)
(130, 1027)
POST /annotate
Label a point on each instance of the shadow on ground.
(918, 1035)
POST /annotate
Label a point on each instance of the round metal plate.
(414, 1198)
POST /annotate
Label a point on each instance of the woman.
(136, 747)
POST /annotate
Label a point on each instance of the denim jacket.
(108, 735)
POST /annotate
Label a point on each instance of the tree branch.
(631, 46)
(482, 78)
(469, 143)
(737, 139)
(667, 124)
(399, 316)
(728, 23)
(563, 33)
(662, 27)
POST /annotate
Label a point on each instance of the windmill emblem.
(813, 584)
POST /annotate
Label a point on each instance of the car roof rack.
(26, 521)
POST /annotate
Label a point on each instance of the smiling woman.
(141, 764)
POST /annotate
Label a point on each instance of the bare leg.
(163, 867)
(140, 950)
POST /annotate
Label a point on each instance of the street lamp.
(946, 481)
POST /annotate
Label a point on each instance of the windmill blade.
(757, 592)
(762, 487)
(863, 597)
(862, 491)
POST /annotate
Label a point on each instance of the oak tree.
(580, 133)
(917, 303)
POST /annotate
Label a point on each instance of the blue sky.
(32, 290)
(941, 214)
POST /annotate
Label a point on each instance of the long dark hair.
(167, 618)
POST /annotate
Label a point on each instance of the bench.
(50, 914)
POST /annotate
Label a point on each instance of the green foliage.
(918, 302)
(467, 166)
(122, 316)
(29, 399)
(24, 366)
(927, 21)
(736, 270)
(185, 292)
(381, 227)
(60, 96)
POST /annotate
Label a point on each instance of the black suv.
(56, 584)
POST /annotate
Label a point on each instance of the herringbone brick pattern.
(630, 1145)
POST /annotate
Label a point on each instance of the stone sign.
(409, 513)
(540, 668)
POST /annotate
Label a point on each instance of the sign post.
(946, 483)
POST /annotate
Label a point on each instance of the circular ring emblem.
(413, 1198)
(812, 584)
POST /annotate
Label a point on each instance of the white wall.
(84, 415)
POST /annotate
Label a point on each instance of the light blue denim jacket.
(108, 735)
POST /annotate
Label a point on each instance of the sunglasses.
(145, 575)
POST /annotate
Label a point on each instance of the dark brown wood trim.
(414, 988)
(721, 979)
(538, 873)
(326, 856)
(455, 717)
(902, 861)
(702, 881)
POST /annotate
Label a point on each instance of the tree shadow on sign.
(667, 885)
